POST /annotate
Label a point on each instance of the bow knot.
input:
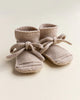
(28, 45)
(54, 40)
(18, 48)
(48, 41)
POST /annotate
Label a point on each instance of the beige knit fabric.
(28, 59)
(55, 53)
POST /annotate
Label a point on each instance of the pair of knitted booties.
(34, 45)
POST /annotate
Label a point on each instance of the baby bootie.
(55, 53)
(28, 59)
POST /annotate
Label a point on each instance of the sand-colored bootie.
(55, 53)
(28, 59)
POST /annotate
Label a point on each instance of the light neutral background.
(52, 83)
